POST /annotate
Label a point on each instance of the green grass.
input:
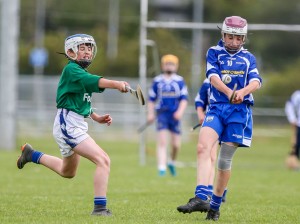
(261, 189)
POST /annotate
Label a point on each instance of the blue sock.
(36, 156)
(215, 202)
(210, 190)
(100, 201)
(202, 192)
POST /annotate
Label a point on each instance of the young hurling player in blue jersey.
(201, 105)
(74, 94)
(168, 99)
(225, 122)
(292, 110)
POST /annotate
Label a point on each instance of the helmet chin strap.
(231, 51)
(228, 49)
(84, 63)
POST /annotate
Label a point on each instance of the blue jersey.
(292, 108)
(202, 97)
(241, 67)
(167, 92)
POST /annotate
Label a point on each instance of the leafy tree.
(277, 52)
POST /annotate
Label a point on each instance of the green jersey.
(75, 88)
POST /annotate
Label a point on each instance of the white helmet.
(73, 42)
(235, 25)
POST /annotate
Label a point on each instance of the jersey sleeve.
(153, 92)
(183, 91)
(202, 97)
(91, 83)
(212, 66)
(292, 107)
(290, 112)
(82, 81)
(253, 74)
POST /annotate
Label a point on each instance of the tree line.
(277, 51)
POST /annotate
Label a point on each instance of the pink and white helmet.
(235, 25)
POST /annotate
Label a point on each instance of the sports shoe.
(194, 205)
(101, 212)
(25, 156)
(213, 215)
(172, 169)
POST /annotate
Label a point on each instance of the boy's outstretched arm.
(113, 84)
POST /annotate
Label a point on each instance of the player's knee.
(224, 164)
(202, 150)
(162, 143)
(107, 161)
(162, 146)
(103, 161)
(225, 156)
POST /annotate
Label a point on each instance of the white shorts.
(69, 130)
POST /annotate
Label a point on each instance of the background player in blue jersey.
(225, 122)
(168, 99)
(292, 110)
(201, 105)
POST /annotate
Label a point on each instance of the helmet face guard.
(234, 25)
(73, 42)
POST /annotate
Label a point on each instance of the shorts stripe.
(63, 127)
(63, 124)
(69, 130)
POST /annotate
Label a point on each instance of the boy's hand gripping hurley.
(137, 93)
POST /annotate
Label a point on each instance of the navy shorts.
(166, 120)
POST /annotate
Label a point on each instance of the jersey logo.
(233, 72)
(237, 136)
(87, 97)
(168, 94)
(209, 118)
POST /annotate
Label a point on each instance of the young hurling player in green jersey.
(73, 100)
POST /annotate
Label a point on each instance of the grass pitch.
(261, 189)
